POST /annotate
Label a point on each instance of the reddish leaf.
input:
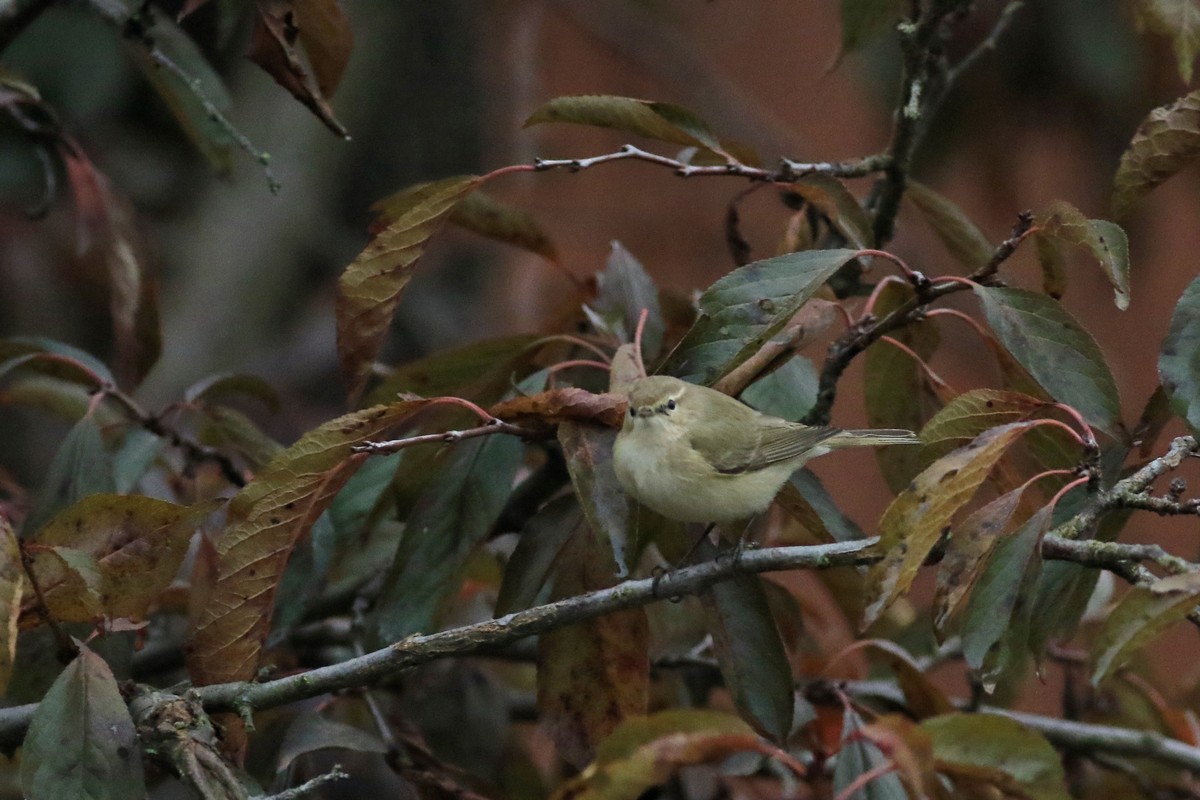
(272, 47)
(327, 38)
(1166, 142)
(370, 288)
(563, 405)
(265, 519)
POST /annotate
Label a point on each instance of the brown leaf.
(265, 520)
(272, 47)
(563, 405)
(1167, 141)
(327, 38)
(12, 585)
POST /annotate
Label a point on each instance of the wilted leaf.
(996, 628)
(665, 122)
(833, 199)
(133, 544)
(265, 519)
(1105, 240)
(1060, 355)
(607, 507)
(370, 287)
(623, 289)
(594, 675)
(958, 234)
(450, 519)
(988, 748)
(556, 406)
(12, 587)
(1166, 142)
(311, 732)
(750, 652)
(858, 756)
(896, 389)
(532, 561)
(1179, 20)
(81, 741)
(747, 308)
(1179, 359)
(272, 47)
(327, 38)
(481, 214)
(918, 518)
(1142, 614)
(922, 697)
(81, 467)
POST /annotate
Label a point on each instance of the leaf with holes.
(1105, 240)
(1057, 352)
(917, 519)
(1166, 142)
(958, 234)
(1141, 615)
(370, 288)
(1179, 358)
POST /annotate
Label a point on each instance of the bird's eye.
(670, 405)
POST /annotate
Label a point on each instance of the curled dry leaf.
(569, 404)
(1166, 142)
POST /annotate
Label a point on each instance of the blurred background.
(436, 89)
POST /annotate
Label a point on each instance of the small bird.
(694, 454)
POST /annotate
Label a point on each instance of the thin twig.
(310, 785)
(486, 429)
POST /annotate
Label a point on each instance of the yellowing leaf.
(665, 122)
(370, 288)
(916, 520)
(987, 749)
(1166, 142)
(265, 519)
(972, 413)
(12, 586)
(1105, 240)
(1142, 614)
(481, 214)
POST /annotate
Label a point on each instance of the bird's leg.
(735, 553)
(683, 562)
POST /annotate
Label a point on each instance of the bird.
(694, 454)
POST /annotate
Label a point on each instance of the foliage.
(361, 569)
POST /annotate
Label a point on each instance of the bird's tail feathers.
(872, 438)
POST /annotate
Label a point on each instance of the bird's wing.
(731, 454)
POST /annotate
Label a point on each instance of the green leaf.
(264, 522)
(81, 467)
(369, 290)
(831, 197)
(747, 308)
(1053, 265)
(749, 652)
(1105, 240)
(532, 561)
(917, 519)
(450, 519)
(990, 749)
(134, 457)
(972, 413)
(896, 389)
(958, 234)
(480, 371)
(54, 359)
(1180, 21)
(81, 741)
(857, 756)
(840, 526)
(1141, 615)
(788, 392)
(637, 732)
(231, 431)
(486, 216)
(309, 733)
(1179, 358)
(607, 507)
(863, 20)
(996, 628)
(665, 122)
(1057, 352)
(223, 385)
(623, 289)
(1166, 142)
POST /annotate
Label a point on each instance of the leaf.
(481, 214)
(594, 675)
(831, 197)
(272, 47)
(532, 561)
(665, 122)
(588, 451)
(229, 430)
(54, 359)
(623, 290)
(74, 585)
(922, 697)
(859, 756)
(1179, 20)
(450, 519)
(12, 587)
(1141, 615)
(959, 235)
(1105, 240)
(1166, 142)
(211, 138)
(81, 467)
(749, 652)
(1058, 353)
(1155, 416)
(863, 20)
(309, 733)
(327, 38)
(996, 629)
(480, 371)
(747, 308)
(1179, 358)
(997, 750)
(917, 519)
(788, 392)
(896, 389)
(637, 732)
(972, 413)
(81, 741)
(133, 458)
(556, 406)
(216, 388)
(1050, 259)
(264, 521)
(134, 544)
(370, 288)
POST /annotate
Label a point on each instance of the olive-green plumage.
(696, 455)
